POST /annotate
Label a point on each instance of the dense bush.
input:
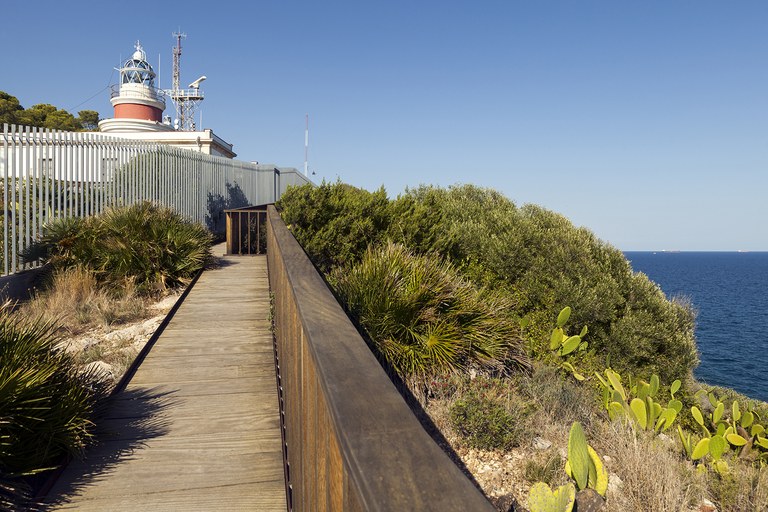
(537, 257)
(45, 401)
(144, 245)
(423, 318)
(335, 223)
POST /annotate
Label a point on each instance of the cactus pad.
(542, 499)
(578, 455)
(563, 317)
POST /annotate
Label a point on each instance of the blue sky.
(646, 122)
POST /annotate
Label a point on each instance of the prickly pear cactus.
(600, 482)
(578, 455)
(542, 499)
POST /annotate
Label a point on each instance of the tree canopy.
(44, 115)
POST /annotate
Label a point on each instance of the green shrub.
(334, 222)
(538, 258)
(486, 423)
(653, 334)
(423, 318)
(145, 245)
(45, 400)
(546, 263)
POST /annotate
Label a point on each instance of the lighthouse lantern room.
(138, 104)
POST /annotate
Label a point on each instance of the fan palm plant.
(150, 246)
(422, 318)
(45, 400)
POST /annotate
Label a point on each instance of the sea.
(729, 291)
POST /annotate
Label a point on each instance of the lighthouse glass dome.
(137, 70)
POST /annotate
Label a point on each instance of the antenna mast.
(186, 101)
(177, 59)
(306, 143)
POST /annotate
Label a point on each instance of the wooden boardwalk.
(197, 428)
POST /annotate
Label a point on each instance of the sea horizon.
(726, 289)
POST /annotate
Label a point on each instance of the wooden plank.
(197, 428)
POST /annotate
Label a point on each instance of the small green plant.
(738, 431)
(563, 344)
(45, 400)
(584, 464)
(486, 423)
(640, 405)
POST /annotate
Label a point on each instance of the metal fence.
(49, 175)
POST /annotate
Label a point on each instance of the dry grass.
(654, 477)
(745, 489)
(560, 400)
(119, 355)
(78, 303)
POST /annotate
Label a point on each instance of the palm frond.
(423, 318)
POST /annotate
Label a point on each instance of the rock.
(615, 483)
(89, 342)
(150, 326)
(506, 503)
(607, 459)
(166, 304)
(540, 443)
(588, 500)
(100, 368)
(125, 333)
(707, 506)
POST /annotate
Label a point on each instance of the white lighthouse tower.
(137, 102)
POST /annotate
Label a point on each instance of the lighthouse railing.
(140, 92)
(47, 175)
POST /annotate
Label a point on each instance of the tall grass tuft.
(76, 301)
(45, 400)
(424, 319)
(143, 245)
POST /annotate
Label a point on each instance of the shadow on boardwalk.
(129, 421)
(197, 427)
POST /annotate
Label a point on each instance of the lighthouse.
(138, 108)
(137, 103)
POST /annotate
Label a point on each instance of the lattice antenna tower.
(177, 59)
(187, 100)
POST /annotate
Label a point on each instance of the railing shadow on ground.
(130, 420)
